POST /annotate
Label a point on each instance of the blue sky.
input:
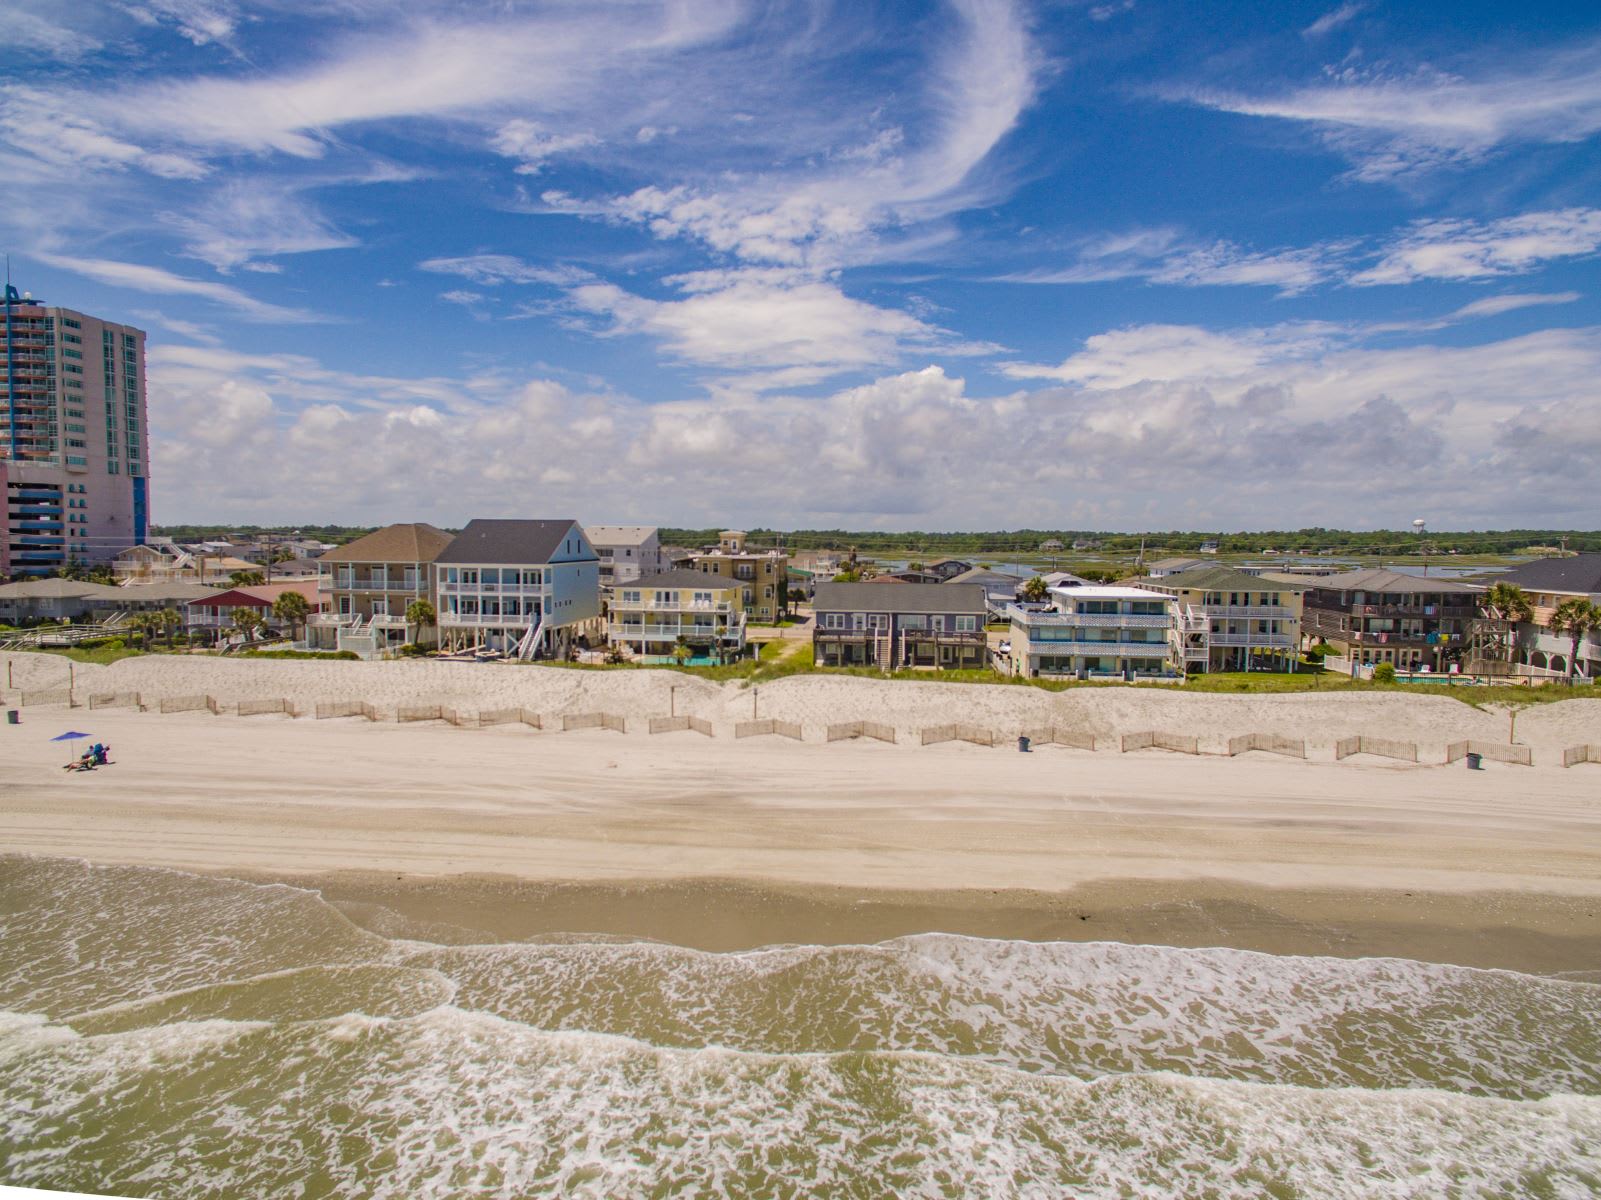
(974, 264)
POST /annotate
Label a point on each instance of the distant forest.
(1037, 541)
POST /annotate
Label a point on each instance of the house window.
(966, 624)
(879, 620)
(833, 620)
(630, 597)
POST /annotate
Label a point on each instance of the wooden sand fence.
(510, 716)
(257, 708)
(1154, 739)
(1382, 747)
(789, 729)
(958, 733)
(1049, 735)
(175, 704)
(681, 724)
(594, 720)
(116, 700)
(1574, 755)
(329, 709)
(1272, 743)
(53, 696)
(1521, 756)
(856, 729)
(407, 713)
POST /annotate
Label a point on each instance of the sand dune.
(817, 701)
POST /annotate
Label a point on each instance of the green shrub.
(1384, 673)
(341, 655)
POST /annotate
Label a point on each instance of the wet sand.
(722, 844)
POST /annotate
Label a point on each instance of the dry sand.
(512, 832)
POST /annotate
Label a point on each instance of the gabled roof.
(158, 593)
(1580, 575)
(417, 542)
(507, 542)
(1175, 564)
(619, 535)
(1215, 578)
(1378, 579)
(980, 575)
(680, 578)
(963, 599)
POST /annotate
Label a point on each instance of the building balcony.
(1077, 620)
(1251, 612)
(1090, 645)
(494, 589)
(1255, 641)
(651, 606)
(625, 631)
(369, 583)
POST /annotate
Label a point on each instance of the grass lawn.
(100, 654)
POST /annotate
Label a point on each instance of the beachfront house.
(1550, 581)
(626, 551)
(1088, 632)
(910, 625)
(652, 614)
(1000, 588)
(213, 613)
(1231, 621)
(1378, 615)
(762, 575)
(520, 587)
(368, 584)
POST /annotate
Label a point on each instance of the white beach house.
(520, 587)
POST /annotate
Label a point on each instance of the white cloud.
(30, 31)
(1459, 249)
(526, 141)
(1333, 19)
(786, 327)
(1494, 306)
(244, 220)
(1215, 435)
(493, 269)
(155, 280)
(200, 21)
(1394, 126)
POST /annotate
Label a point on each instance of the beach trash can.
(1475, 762)
(13, 717)
(1022, 745)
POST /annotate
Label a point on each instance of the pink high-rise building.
(74, 445)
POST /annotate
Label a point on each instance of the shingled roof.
(417, 542)
(1580, 575)
(508, 542)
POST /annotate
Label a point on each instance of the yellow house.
(1232, 620)
(650, 614)
(759, 575)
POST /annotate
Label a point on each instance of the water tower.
(1417, 526)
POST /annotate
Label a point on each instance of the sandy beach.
(514, 832)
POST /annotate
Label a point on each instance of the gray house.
(908, 625)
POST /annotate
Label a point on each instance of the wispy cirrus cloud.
(1458, 249)
(156, 281)
(491, 270)
(1392, 125)
(1334, 19)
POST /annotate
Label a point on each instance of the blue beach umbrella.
(71, 735)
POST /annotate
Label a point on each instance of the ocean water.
(164, 1034)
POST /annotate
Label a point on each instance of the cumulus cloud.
(1210, 433)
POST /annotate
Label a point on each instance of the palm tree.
(1510, 603)
(1035, 590)
(1575, 617)
(170, 621)
(681, 650)
(291, 607)
(420, 613)
(143, 624)
(246, 579)
(245, 620)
